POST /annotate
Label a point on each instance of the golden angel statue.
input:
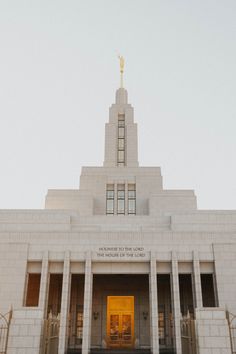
(122, 63)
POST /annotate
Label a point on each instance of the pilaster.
(44, 283)
(64, 304)
(197, 280)
(87, 317)
(153, 306)
(176, 303)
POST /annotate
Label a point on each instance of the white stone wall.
(225, 267)
(13, 263)
(17, 247)
(167, 225)
(25, 333)
(81, 201)
(212, 331)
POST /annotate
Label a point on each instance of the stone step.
(120, 351)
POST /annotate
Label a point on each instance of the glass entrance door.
(114, 330)
(120, 330)
(120, 322)
(126, 328)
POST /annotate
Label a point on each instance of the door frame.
(120, 311)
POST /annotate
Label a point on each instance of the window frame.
(110, 198)
(131, 197)
(121, 198)
(121, 133)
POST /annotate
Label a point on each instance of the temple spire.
(121, 139)
(122, 64)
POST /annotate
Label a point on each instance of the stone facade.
(119, 227)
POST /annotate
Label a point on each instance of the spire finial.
(122, 64)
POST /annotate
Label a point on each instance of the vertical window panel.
(121, 120)
(208, 291)
(110, 206)
(120, 199)
(131, 206)
(55, 292)
(121, 206)
(110, 194)
(121, 156)
(131, 199)
(121, 132)
(121, 140)
(121, 144)
(33, 287)
(186, 294)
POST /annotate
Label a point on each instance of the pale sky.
(58, 76)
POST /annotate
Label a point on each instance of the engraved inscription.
(121, 252)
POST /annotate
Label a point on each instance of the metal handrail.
(230, 318)
(4, 328)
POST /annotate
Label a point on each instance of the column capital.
(174, 256)
(195, 255)
(45, 255)
(67, 254)
(153, 256)
(88, 255)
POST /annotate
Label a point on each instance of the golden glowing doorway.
(120, 321)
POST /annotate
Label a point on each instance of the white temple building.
(119, 264)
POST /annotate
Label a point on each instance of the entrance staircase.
(120, 351)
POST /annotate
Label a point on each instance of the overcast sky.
(59, 72)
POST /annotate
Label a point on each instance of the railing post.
(230, 331)
(8, 326)
(5, 321)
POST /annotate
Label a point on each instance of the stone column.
(153, 305)
(176, 303)
(87, 316)
(44, 283)
(64, 304)
(197, 280)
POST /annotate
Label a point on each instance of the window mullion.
(126, 200)
(115, 199)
